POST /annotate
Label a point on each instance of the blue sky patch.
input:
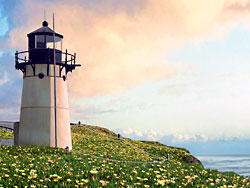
(3, 23)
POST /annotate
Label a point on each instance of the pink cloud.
(118, 48)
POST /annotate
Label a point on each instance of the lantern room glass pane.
(46, 41)
(58, 42)
(40, 41)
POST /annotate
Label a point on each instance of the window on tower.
(46, 41)
(58, 42)
(40, 41)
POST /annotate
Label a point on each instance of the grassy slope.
(43, 166)
(6, 134)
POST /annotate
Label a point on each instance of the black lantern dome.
(44, 38)
(41, 43)
(44, 30)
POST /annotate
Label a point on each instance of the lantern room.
(43, 38)
(43, 45)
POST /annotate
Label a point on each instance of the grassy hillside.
(6, 134)
(50, 167)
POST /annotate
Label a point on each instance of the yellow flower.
(69, 180)
(86, 180)
(158, 176)
(53, 176)
(161, 182)
(134, 171)
(93, 171)
(137, 183)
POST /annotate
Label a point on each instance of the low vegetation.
(50, 167)
(4, 134)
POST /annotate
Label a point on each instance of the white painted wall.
(37, 126)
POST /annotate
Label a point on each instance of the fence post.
(67, 150)
(168, 157)
(16, 133)
(119, 137)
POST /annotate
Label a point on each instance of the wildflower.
(53, 176)
(137, 183)
(32, 172)
(93, 171)
(134, 171)
(172, 181)
(168, 181)
(161, 182)
(85, 180)
(6, 175)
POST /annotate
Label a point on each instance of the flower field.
(50, 167)
(6, 134)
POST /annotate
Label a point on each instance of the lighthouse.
(44, 116)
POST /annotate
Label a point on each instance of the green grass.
(49, 167)
(6, 134)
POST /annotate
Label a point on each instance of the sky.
(172, 71)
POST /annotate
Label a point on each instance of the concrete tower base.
(37, 119)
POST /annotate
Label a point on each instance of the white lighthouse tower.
(44, 118)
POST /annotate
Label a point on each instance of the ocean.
(237, 163)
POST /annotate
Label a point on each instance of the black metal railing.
(7, 125)
(45, 56)
(6, 128)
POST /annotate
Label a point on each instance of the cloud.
(114, 55)
(198, 144)
(4, 79)
(11, 113)
(174, 138)
(178, 89)
(149, 135)
(179, 138)
(127, 131)
(235, 75)
(86, 111)
(10, 89)
(122, 46)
